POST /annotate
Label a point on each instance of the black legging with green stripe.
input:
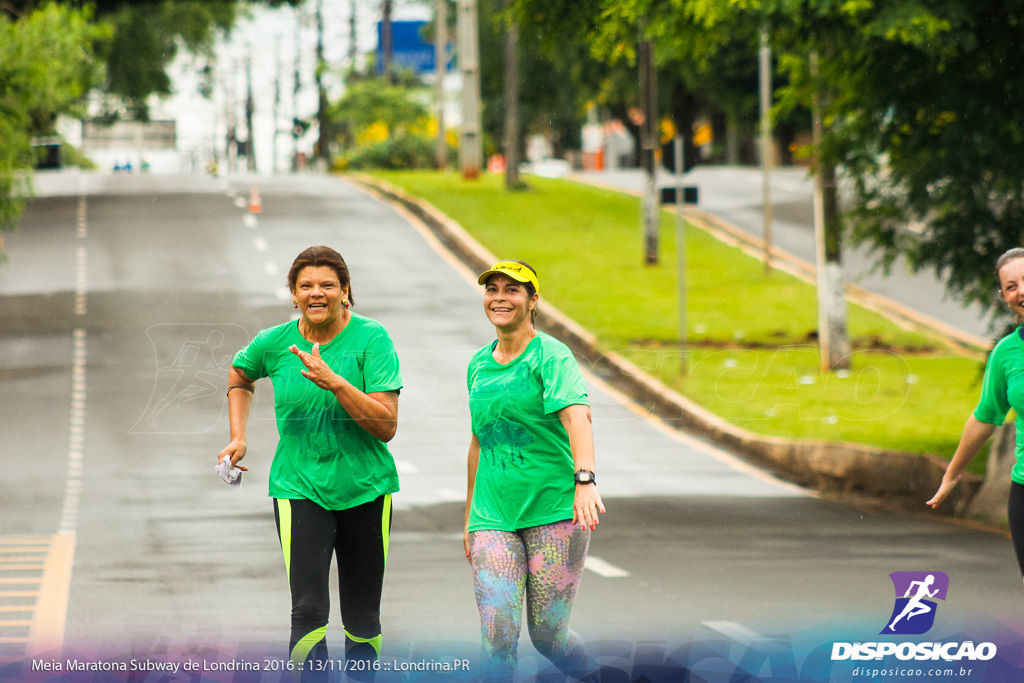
(358, 537)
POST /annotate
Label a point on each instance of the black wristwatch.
(585, 477)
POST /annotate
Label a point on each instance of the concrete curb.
(853, 472)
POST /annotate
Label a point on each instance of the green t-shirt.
(323, 455)
(1003, 389)
(524, 477)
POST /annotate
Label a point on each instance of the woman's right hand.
(236, 451)
(945, 488)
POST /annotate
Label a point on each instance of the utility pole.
(323, 140)
(441, 70)
(296, 89)
(681, 251)
(767, 160)
(387, 46)
(511, 89)
(649, 139)
(470, 142)
(832, 334)
(277, 103)
(231, 150)
(352, 36)
(250, 106)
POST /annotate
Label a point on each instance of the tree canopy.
(48, 63)
(924, 105)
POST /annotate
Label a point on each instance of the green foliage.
(382, 125)
(923, 103)
(407, 152)
(47, 66)
(146, 37)
(375, 101)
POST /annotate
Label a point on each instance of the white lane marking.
(738, 632)
(270, 268)
(76, 432)
(282, 294)
(450, 495)
(240, 202)
(406, 467)
(249, 220)
(261, 244)
(82, 226)
(605, 569)
(81, 284)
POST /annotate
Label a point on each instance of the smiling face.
(319, 295)
(507, 302)
(1011, 285)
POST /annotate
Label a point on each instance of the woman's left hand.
(585, 506)
(317, 371)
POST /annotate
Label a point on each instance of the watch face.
(584, 477)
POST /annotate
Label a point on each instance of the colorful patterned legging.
(544, 562)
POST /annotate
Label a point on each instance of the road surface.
(122, 301)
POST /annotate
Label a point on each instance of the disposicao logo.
(913, 614)
(916, 593)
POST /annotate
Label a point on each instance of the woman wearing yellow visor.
(532, 497)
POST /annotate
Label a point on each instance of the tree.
(47, 66)
(146, 36)
(936, 138)
(382, 125)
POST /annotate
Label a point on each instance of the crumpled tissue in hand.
(228, 472)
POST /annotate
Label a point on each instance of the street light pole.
(767, 160)
(441, 70)
(681, 251)
(649, 139)
(470, 143)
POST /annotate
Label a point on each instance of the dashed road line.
(738, 632)
(35, 571)
(605, 569)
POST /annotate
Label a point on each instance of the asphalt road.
(121, 303)
(734, 194)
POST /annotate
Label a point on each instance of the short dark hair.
(321, 256)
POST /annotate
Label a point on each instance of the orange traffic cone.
(255, 203)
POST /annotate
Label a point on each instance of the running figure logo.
(916, 593)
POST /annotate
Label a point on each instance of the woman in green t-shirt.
(1003, 389)
(336, 382)
(532, 496)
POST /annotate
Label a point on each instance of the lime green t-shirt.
(524, 477)
(323, 455)
(1003, 389)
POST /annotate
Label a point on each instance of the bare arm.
(471, 463)
(974, 436)
(587, 502)
(376, 412)
(239, 402)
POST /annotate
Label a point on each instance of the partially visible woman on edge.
(1003, 389)
(532, 496)
(336, 382)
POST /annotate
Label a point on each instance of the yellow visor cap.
(516, 271)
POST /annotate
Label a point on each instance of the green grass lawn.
(753, 360)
